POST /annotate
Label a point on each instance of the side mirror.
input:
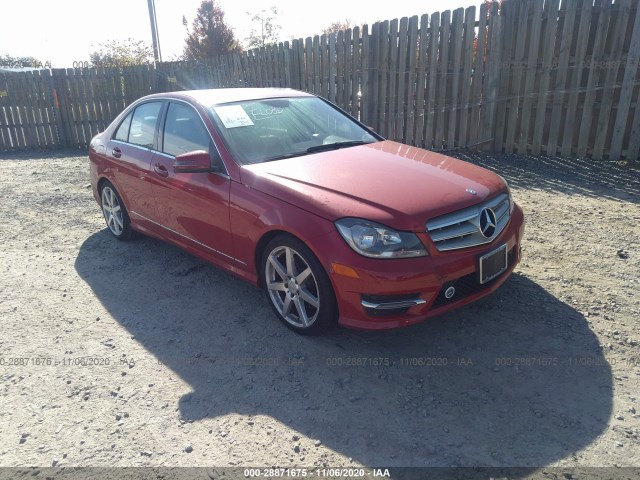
(192, 162)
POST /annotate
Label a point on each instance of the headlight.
(511, 202)
(377, 241)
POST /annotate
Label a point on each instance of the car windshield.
(269, 129)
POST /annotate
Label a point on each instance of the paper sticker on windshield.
(265, 113)
(233, 116)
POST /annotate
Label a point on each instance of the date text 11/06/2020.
(318, 472)
(508, 362)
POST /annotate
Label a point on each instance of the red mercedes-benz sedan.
(289, 192)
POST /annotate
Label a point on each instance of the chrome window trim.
(134, 145)
(188, 238)
(165, 155)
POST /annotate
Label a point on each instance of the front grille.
(463, 228)
(469, 285)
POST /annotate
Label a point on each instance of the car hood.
(388, 182)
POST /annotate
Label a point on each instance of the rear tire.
(115, 213)
(297, 287)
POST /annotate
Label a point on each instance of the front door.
(193, 207)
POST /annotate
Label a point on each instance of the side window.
(143, 124)
(122, 133)
(184, 131)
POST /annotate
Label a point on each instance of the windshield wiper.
(281, 157)
(335, 146)
(316, 148)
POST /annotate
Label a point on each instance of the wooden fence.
(554, 77)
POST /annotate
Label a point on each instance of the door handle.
(161, 170)
(116, 152)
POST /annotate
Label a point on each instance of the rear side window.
(184, 131)
(143, 124)
(122, 133)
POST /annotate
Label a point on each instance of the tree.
(488, 4)
(209, 36)
(9, 61)
(121, 53)
(338, 25)
(266, 31)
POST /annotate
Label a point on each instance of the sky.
(67, 31)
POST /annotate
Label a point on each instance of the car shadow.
(516, 379)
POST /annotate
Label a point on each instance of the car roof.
(217, 96)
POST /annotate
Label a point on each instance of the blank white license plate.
(493, 264)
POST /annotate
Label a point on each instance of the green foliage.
(210, 36)
(265, 31)
(9, 61)
(116, 53)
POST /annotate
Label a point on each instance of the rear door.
(193, 207)
(131, 151)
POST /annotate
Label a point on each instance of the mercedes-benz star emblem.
(471, 191)
(487, 222)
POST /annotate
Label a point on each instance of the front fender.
(255, 214)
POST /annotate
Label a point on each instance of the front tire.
(298, 288)
(115, 213)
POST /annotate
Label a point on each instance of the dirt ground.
(137, 354)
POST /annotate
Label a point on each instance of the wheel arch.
(101, 182)
(270, 235)
(260, 246)
(328, 311)
(104, 179)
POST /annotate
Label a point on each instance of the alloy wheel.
(292, 287)
(112, 211)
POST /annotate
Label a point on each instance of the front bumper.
(395, 293)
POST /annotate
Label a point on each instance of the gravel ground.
(137, 354)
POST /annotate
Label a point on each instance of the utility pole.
(157, 55)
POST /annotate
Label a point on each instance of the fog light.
(449, 292)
